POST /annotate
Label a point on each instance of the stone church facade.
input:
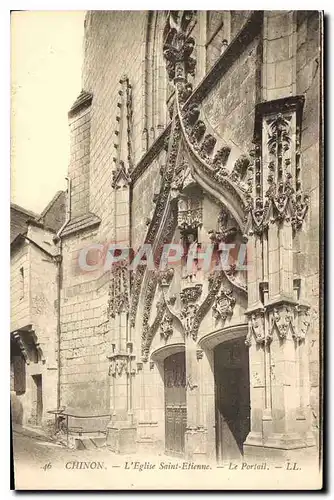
(203, 127)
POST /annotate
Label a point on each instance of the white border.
(5, 7)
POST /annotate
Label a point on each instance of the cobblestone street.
(37, 455)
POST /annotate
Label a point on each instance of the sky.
(46, 61)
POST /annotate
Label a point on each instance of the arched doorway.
(232, 396)
(175, 403)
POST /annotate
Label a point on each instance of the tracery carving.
(277, 190)
(118, 300)
(189, 212)
(226, 232)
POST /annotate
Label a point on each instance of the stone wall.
(308, 74)
(84, 367)
(229, 107)
(20, 287)
(142, 200)
(84, 372)
(37, 307)
(79, 161)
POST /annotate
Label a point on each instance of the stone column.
(278, 318)
(195, 437)
(121, 429)
(206, 407)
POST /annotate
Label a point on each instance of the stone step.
(90, 442)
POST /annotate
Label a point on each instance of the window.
(21, 283)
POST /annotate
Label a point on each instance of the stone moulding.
(20, 336)
(164, 214)
(226, 190)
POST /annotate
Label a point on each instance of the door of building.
(175, 403)
(38, 400)
(232, 398)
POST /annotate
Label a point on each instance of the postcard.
(166, 250)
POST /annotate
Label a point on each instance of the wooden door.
(175, 403)
(232, 399)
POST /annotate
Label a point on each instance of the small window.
(21, 282)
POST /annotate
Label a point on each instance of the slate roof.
(81, 223)
(19, 218)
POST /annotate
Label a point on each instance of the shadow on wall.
(17, 408)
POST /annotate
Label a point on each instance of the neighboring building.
(195, 127)
(34, 305)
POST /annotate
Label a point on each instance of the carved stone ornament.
(182, 178)
(256, 329)
(118, 364)
(179, 45)
(166, 326)
(165, 277)
(304, 321)
(227, 229)
(149, 331)
(282, 320)
(199, 354)
(120, 176)
(191, 294)
(223, 304)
